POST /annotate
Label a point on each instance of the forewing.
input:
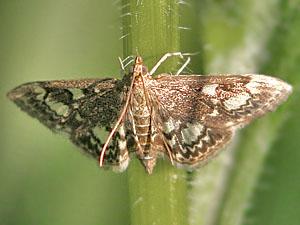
(84, 109)
(199, 114)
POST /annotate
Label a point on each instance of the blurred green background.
(43, 177)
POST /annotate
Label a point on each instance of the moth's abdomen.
(141, 117)
(142, 126)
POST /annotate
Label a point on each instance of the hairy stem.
(150, 29)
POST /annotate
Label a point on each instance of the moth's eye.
(145, 70)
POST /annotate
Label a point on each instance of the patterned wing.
(84, 109)
(199, 114)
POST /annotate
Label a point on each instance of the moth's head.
(138, 60)
(138, 68)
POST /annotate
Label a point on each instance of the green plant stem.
(150, 29)
(159, 198)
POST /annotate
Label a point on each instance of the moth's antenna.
(137, 51)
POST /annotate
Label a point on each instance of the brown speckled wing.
(83, 109)
(198, 114)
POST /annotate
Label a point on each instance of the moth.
(186, 118)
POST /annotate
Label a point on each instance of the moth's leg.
(156, 132)
(135, 137)
(165, 144)
(164, 58)
(122, 61)
(149, 160)
(183, 66)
